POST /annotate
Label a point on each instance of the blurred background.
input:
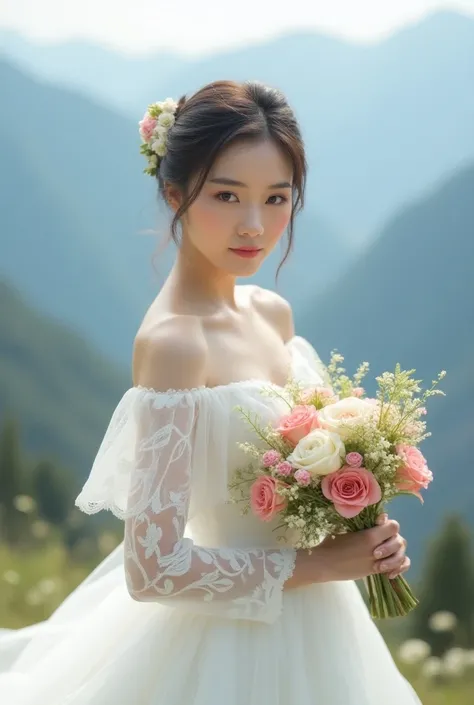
(383, 266)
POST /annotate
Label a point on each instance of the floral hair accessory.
(154, 127)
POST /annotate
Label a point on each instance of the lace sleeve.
(161, 564)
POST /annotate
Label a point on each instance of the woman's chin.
(245, 266)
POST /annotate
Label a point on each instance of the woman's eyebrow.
(224, 181)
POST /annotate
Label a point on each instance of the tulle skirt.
(102, 648)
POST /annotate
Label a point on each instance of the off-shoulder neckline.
(250, 382)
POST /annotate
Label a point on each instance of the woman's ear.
(173, 197)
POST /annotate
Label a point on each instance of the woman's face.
(243, 209)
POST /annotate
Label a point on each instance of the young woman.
(200, 605)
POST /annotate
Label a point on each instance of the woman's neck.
(195, 279)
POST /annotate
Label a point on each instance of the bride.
(200, 605)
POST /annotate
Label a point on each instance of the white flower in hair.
(159, 148)
(169, 105)
(166, 120)
(154, 128)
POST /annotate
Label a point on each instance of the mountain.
(74, 204)
(60, 389)
(94, 71)
(410, 299)
(383, 122)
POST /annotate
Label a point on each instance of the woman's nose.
(251, 226)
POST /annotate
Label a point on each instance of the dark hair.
(217, 115)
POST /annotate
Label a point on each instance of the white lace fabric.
(149, 472)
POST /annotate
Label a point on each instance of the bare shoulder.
(275, 309)
(171, 354)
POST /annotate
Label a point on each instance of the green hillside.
(60, 390)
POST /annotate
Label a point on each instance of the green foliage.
(62, 390)
(448, 584)
(11, 475)
(54, 490)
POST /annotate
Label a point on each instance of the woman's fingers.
(405, 566)
(392, 564)
(390, 546)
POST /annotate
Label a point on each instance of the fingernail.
(378, 554)
(392, 576)
(383, 566)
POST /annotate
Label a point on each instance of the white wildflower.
(47, 586)
(454, 663)
(432, 668)
(11, 577)
(34, 597)
(24, 503)
(40, 529)
(442, 621)
(469, 658)
(414, 651)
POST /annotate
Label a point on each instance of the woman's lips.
(246, 251)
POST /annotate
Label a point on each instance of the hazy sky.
(195, 27)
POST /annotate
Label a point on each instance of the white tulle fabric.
(210, 621)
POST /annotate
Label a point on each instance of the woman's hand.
(353, 556)
(391, 554)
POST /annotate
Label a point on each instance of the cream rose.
(344, 414)
(320, 452)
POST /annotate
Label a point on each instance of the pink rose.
(264, 498)
(351, 490)
(355, 460)
(414, 474)
(358, 392)
(299, 423)
(302, 477)
(147, 126)
(271, 457)
(284, 468)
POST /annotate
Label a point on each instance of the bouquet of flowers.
(336, 458)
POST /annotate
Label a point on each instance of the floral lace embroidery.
(160, 563)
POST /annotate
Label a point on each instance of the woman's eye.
(226, 196)
(273, 202)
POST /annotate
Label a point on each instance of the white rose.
(166, 120)
(159, 147)
(160, 132)
(320, 452)
(169, 105)
(344, 414)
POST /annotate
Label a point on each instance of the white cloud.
(187, 26)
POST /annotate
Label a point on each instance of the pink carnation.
(264, 498)
(354, 460)
(284, 468)
(271, 457)
(414, 474)
(351, 490)
(147, 127)
(299, 423)
(302, 477)
(358, 392)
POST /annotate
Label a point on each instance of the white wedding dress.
(209, 622)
